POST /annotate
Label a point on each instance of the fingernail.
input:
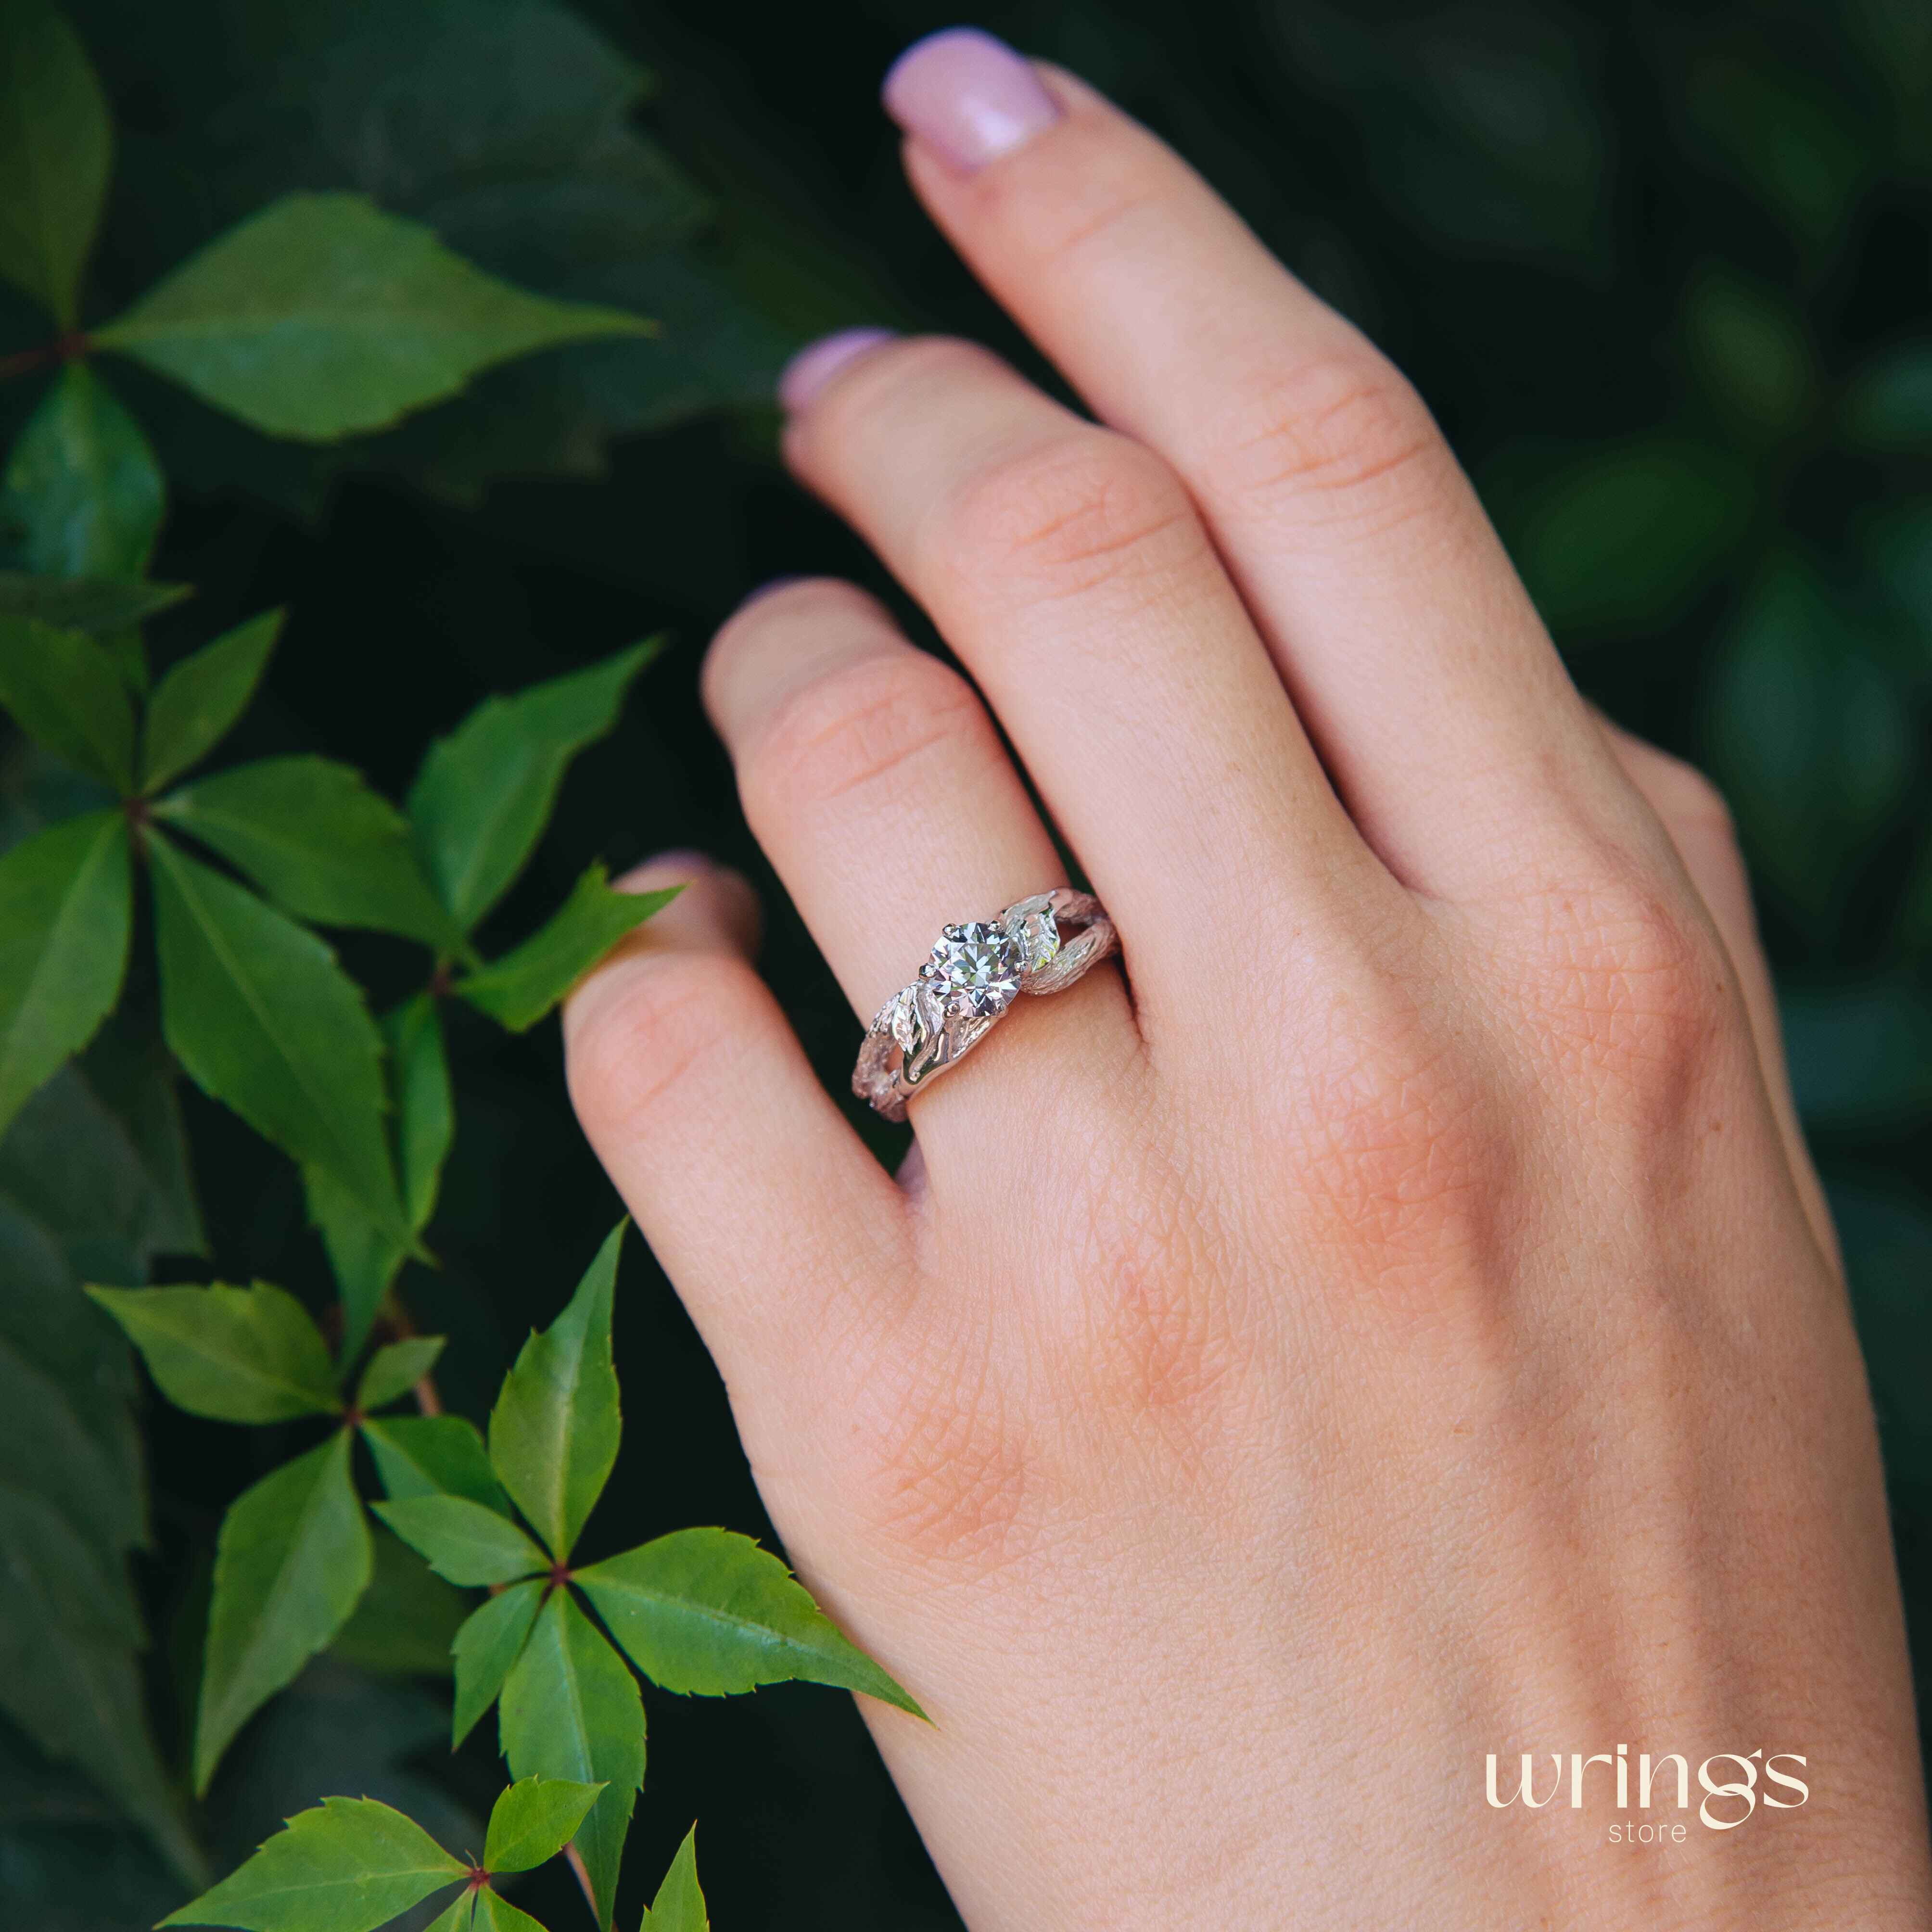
(765, 589)
(680, 863)
(968, 95)
(817, 362)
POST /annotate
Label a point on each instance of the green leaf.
(83, 495)
(485, 793)
(95, 604)
(90, 1180)
(1888, 403)
(263, 1019)
(1787, 136)
(1810, 733)
(365, 1259)
(554, 1431)
(533, 1820)
(518, 989)
(571, 1709)
(68, 1676)
(459, 1916)
(499, 1915)
(198, 703)
(322, 316)
(425, 1107)
(65, 690)
(1748, 346)
(486, 1649)
(396, 1369)
(407, 1620)
(66, 903)
(467, 1542)
(292, 1561)
(707, 1611)
(680, 1904)
(56, 151)
(234, 1354)
(1626, 535)
(349, 1865)
(1861, 1054)
(433, 1455)
(312, 835)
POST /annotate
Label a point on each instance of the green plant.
(700, 1612)
(322, 318)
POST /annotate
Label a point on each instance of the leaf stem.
(67, 348)
(576, 1859)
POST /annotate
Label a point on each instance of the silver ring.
(975, 972)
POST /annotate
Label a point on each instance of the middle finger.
(1066, 566)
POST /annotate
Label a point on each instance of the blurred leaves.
(66, 900)
(1750, 351)
(1784, 135)
(196, 705)
(82, 494)
(1486, 126)
(1888, 405)
(1809, 734)
(1625, 535)
(55, 151)
(63, 688)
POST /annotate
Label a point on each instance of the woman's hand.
(1395, 1321)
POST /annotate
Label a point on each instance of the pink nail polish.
(817, 362)
(969, 96)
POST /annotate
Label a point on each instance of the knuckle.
(655, 1035)
(947, 1469)
(1339, 429)
(1062, 516)
(1393, 1142)
(1168, 1343)
(1688, 802)
(860, 726)
(1628, 991)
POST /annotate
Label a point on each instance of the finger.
(1067, 567)
(875, 782)
(1414, 657)
(738, 1167)
(1693, 813)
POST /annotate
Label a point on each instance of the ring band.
(975, 972)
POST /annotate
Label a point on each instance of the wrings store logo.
(1728, 1801)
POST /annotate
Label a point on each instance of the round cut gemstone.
(976, 966)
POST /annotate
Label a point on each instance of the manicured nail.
(968, 95)
(765, 589)
(817, 362)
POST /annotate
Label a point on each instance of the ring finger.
(878, 788)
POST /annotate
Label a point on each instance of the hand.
(1394, 1322)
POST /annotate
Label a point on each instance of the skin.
(1393, 1320)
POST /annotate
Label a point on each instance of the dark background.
(1662, 271)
